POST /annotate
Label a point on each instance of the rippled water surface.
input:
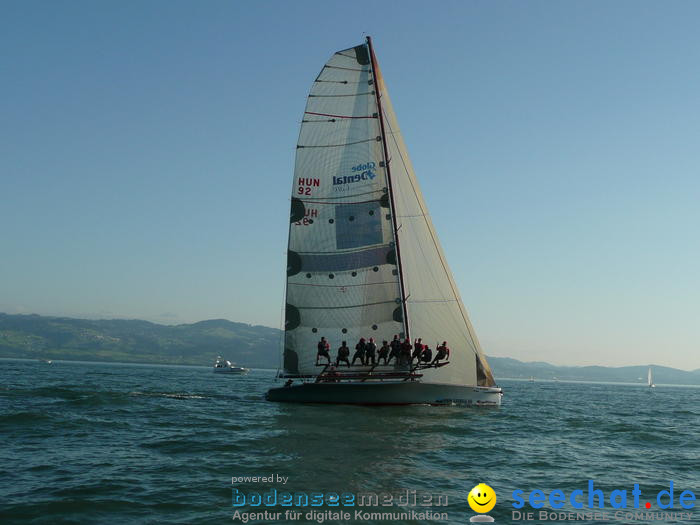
(102, 443)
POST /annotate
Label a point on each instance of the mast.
(389, 187)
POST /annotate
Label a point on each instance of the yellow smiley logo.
(482, 498)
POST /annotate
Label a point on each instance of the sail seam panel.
(342, 285)
(337, 116)
(342, 307)
(348, 68)
(342, 95)
(336, 145)
(341, 81)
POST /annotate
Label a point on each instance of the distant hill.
(34, 336)
(505, 367)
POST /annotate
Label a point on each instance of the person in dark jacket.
(426, 355)
(370, 352)
(343, 354)
(417, 350)
(383, 352)
(395, 350)
(405, 357)
(323, 350)
(359, 352)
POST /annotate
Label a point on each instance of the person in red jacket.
(417, 350)
(443, 352)
(323, 350)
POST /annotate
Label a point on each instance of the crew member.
(426, 355)
(395, 350)
(417, 350)
(332, 375)
(359, 352)
(323, 348)
(443, 352)
(405, 356)
(343, 354)
(370, 352)
(383, 352)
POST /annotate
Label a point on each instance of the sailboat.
(650, 381)
(364, 259)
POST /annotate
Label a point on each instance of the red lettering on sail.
(305, 185)
(309, 214)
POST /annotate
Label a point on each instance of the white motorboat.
(223, 366)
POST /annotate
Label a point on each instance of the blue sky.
(147, 148)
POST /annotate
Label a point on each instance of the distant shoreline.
(118, 363)
(498, 378)
(257, 347)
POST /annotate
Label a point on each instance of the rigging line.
(344, 95)
(341, 286)
(475, 342)
(299, 146)
(337, 116)
(343, 307)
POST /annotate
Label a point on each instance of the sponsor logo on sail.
(361, 172)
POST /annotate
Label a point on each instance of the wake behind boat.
(222, 366)
(364, 260)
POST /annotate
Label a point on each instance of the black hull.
(387, 393)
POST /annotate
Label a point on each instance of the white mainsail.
(364, 259)
(342, 278)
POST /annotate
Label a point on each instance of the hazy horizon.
(165, 323)
(147, 155)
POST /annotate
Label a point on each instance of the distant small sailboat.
(650, 382)
(532, 379)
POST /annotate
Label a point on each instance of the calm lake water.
(103, 443)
